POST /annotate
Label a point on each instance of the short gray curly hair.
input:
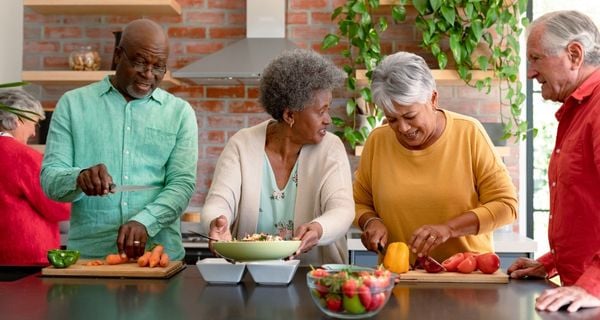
(563, 27)
(18, 99)
(402, 77)
(292, 79)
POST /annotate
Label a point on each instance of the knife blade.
(131, 188)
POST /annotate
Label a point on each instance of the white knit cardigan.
(324, 191)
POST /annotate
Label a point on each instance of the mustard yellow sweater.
(460, 172)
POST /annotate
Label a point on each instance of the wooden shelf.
(392, 2)
(439, 75)
(113, 7)
(78, 78)
(67, 77)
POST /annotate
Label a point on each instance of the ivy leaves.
(470, 25)
(465, 26)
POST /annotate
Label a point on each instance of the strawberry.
(369, 281)
(319, 273)
(349, 288)
(333, 302)
(321, 289)
(364, 293)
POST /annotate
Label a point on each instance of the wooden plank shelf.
(112, 7)
(79, 78)
(439, 75)
(67, 77)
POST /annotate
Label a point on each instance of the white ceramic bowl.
(273, 272)
(217, 270)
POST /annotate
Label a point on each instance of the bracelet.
(369, 220)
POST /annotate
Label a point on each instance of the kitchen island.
(187, 296)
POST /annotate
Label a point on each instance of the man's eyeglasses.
(142, 66)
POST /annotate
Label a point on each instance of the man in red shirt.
(563, 51)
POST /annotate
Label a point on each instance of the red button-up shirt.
(574, 180)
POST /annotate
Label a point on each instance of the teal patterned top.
(276, 212)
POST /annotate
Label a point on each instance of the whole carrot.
(164, 260)
(144, 259)
(155, 256)
(115, 259)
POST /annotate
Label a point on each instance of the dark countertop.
(187, 296)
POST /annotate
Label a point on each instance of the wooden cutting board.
(126, 270)
(473, 277)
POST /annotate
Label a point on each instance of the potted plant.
(466, 26)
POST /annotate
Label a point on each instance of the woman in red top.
(29, 225)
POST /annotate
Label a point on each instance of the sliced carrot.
(94, 263)
(155, 256)
(164, 260)
(144, 259)
(115, 259)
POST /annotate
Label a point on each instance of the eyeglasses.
(141, 66)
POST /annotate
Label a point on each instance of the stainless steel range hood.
(243, 61)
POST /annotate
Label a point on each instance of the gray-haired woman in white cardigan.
(287, 176)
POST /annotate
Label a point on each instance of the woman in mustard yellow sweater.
(430, 177)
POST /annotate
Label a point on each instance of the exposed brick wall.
(206, 26)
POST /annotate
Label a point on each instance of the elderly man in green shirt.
(124, 130)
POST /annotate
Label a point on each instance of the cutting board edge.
(99, 273)
(453, 277)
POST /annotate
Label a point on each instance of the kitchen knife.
(130, 188)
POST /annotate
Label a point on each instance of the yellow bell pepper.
(396, 257)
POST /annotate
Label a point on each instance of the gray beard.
(132, 93)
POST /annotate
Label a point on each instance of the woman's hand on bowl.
(309, 234)
(219, 229)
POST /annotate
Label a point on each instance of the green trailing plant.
(21, 114)
(359, 32)
(481, 35)
(464, 25)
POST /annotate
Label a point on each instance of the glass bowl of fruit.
(350, 294)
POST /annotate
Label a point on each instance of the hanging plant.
(469, 26)
(466, 25)
(360, 35)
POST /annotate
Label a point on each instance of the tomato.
(452, 263)
(488, 262)
(468, 265)
(471, 254)
(430, 264)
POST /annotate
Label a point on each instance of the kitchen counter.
(187, 296)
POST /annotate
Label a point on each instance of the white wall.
(11, 37)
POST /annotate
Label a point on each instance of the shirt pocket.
(571, 166)
(158, 145)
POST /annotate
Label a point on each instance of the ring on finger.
(432, 237)
(136, 242)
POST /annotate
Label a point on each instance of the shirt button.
(552, 251)
(554, 183)
(550, 217)
(124, 203)
(126, 177)
(557, 150)
(126, 151)
(128, 128)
